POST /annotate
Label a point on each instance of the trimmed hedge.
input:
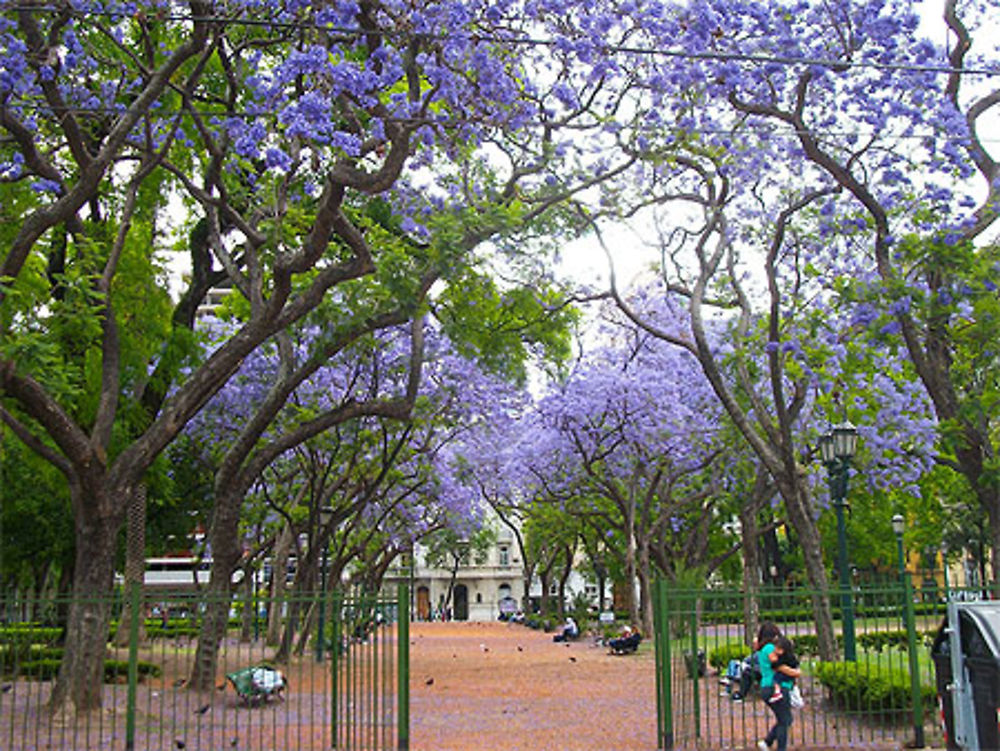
(12, 656)
(870, 688)
(171, 631)
(118, 670)
(114, 670)
(719, 657)
(807, 645)
(30, 634)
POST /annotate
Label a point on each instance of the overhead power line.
(722, 56)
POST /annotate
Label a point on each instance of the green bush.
(879, 640)
(719, 657)
(40, 670)
(876, 641)
(869, 688)
(114, 670)
(118, 670)
(29, 634)
(12, 655)
(171, 631)
(609, 631)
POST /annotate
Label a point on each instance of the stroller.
(258, 684)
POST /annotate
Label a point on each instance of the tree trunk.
(213, 629)
(563, 578)
(451, 586)
(306, 594)
(643, 573)
(629, 583)
(752, 565)
(249, 606)
(226, 552)
(279, 571)
(308, 624)
(799, 514)
(543, 605)
(81, 675)
(305, 581)
(284, 651)
(135, 562)
(751, 571)
(528, 574)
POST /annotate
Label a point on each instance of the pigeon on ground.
(429, 682)
(203, 709)
(180, 744)
(520, 648)
(572, 659)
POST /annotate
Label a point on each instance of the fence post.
(135, 603)
(695, 665)
(403, 667)
(666, 730)
(658, 655)
(337, 644)
(911, 639)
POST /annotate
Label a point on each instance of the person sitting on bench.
(626, 643)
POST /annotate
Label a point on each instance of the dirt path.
(507, 688)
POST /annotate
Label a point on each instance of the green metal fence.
(348, 690)
(884, 699)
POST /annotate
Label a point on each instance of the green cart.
(255, 685)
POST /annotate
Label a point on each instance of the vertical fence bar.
(337, 645)
(403, 668)
(658, 659)
(667, 739)
(135, 607)
(695, 665)
(911, 640)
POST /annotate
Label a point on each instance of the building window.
(504, 555)
(479, 597)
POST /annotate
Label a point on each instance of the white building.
(483, 588)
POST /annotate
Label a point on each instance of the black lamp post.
(898, 527)
(837, 447)
(324, 518)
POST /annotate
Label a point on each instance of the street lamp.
(836, 448)
(898, 527)
(325, 514)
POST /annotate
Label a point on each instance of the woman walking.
(778, 700)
